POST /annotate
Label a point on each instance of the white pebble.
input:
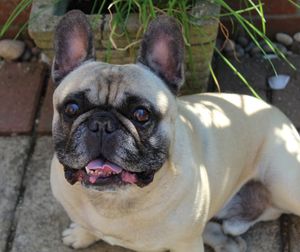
(11, 49)
(270, 56)
(284, 39)
(45, 59)
(297, 37)
(279, 81)
(229, 45)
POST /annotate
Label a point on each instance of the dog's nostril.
(102, 123)
(110, 127)
(93, 125)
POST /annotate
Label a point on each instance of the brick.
(280, 7)
(286, 23)
(274, 23)
(45, 122)
(6, 8)
(254, 71)
(264, 237)
(201, 34)
(20, 89)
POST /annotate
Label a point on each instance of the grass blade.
(241, 77)
(16, 12)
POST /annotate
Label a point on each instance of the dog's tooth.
(87, 170)
(107, 173)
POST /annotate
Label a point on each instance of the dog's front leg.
(190, 246)
(78, 237)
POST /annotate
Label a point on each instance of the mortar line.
(102, 28)
(284, 233)
(32, 144)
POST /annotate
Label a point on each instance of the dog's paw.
(232, 244)
(77, 237)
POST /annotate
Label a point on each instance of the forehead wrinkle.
(112, 80)
(102, 90)
(117, 97)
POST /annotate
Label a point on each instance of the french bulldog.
(139, 167)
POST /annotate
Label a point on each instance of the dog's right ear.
(73, 44)
(162, 51)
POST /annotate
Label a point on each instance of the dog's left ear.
(162, 50)
(73, 44)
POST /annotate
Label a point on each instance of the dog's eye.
(141, 115)
(71, 109)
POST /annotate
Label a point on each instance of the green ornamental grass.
(181, 10)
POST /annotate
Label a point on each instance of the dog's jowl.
(138, 167)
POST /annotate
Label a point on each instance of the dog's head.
(113, 124)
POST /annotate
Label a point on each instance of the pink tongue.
(95, 163)
(129, 177)
(99, 164)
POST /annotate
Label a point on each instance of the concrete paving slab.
(294, 233)
(264, 237)
(41, 219)
(13, 154)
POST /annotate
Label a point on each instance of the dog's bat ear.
(73, 44)
(162, 50)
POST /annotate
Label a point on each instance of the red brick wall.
(6, 8)
(271, 7)
(281, 16)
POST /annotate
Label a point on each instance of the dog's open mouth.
(100, 173)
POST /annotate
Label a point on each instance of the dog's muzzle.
(103, 123)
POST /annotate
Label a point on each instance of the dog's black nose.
(103, 122)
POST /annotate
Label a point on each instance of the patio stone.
(41, 219)
(20, 89)
(13, 155)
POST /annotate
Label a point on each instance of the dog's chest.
(112, 240)
(132, 233)
(135, 241)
